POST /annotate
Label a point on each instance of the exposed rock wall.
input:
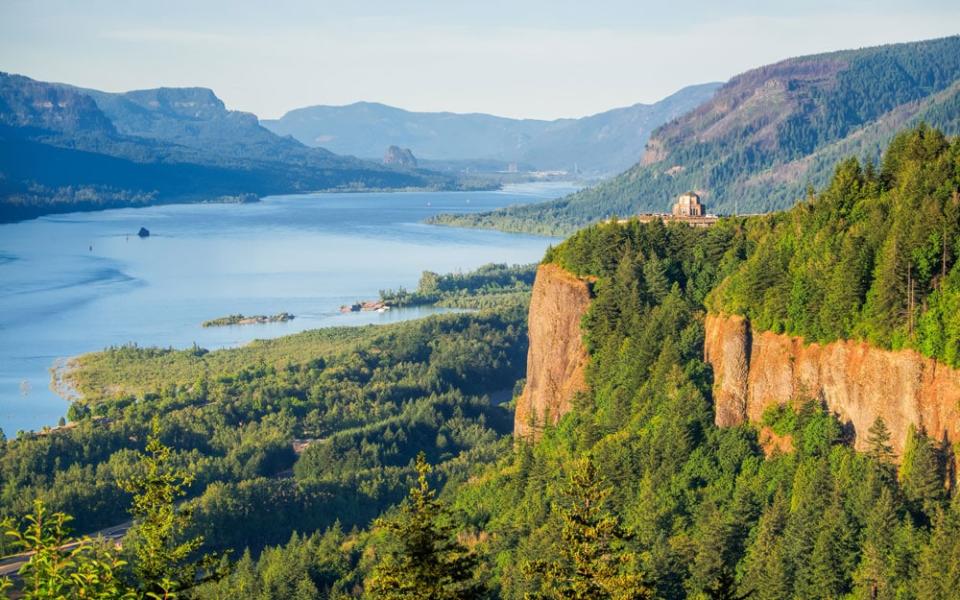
(753, 370)
(557, 357)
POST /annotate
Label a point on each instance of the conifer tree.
(766, 574)
(593, 562)
(164, 562)
(834, 554)
(875, 576)
(939, 565)
(921, 474)
(878, 441)
(425, 562)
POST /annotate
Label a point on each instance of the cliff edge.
(754, 370)
(557, 358)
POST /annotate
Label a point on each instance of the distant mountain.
(366, 128)
(611, 141)
(64, 148)
(766, 135)
(603, 143)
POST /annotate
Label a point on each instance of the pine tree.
(655, 277)
(425, 562)
(878, 442)
(921, 474)
(939, 568)
(835, 553)
(766, 574)
(725, 588)
(883, 470)
(164, 563)
(593, 562)
(875, 576)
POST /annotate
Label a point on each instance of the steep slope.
(721, 471)
(607, 142)
(557, 357)
(848, 300)
(196, 118)
(611, 141)
(768, 134)
(754, 370)
(69, 149)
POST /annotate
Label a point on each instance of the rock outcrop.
(557, 357)
(398, 156)
(858, 382)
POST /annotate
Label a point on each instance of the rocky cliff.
(403, 157)
(557, 357)
(754, 370)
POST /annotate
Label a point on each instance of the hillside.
(604, 143)
(632, 473)
(66, 149)
(814, 496)
(767, 135)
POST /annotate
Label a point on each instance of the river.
(80, 282)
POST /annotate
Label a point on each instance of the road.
(10, 565)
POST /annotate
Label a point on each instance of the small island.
(144, 232)
(239, 319)
(367, 306)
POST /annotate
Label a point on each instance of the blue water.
(79, 282)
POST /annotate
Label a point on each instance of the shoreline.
(63, 369)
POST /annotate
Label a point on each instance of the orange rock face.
(557, 357)
(858, 382)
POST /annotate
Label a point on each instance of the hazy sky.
(539, 58)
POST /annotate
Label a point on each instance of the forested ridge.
(64, 149)
(636, 493)
(765, 136)
(873, 256)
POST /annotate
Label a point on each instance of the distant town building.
(688, 205)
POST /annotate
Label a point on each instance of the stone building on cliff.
(687, 209)
(688, 205)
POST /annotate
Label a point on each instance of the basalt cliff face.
(753, 370)
(557, 357)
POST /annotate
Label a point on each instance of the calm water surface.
(75, 283)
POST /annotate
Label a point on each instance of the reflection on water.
(80, 282)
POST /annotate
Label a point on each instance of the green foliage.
(766, 136)
(164, 563)
(709, 515)
(922, 474)
(872, 257)
(591, 562)
(321, 565)
(233, 416)
(422, 558)
(878, 440)
(62, 567)
(488, 286)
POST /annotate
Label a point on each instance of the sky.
(532, 59)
